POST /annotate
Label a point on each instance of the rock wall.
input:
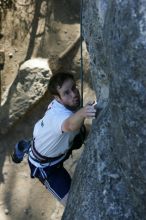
(109, 181)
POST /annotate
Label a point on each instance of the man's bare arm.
(75, 121)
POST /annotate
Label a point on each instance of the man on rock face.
(59, 132)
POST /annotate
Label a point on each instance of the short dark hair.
(57, 80)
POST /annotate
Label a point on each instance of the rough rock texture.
(110, 178)
(28, 88)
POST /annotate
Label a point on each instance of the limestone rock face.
(28, 88)
(110, 178)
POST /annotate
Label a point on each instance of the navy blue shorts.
(55, 178)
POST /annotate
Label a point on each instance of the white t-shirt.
(48, 137)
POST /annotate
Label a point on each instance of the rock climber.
(57, 133)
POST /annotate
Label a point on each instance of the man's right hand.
(75, 121)
(89, 110)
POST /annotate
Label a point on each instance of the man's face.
(69, 95)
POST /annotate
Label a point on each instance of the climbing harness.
(81, 48)
(44, 159)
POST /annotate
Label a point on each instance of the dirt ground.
(23, 198)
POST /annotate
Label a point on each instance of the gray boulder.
(27, 89)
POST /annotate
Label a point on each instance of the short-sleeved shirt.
(48, 137)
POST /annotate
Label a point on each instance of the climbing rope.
(81, 55)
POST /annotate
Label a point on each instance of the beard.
(73, 108)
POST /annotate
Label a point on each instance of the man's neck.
(71, 108)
